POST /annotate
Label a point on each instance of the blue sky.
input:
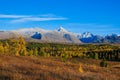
(95, 16)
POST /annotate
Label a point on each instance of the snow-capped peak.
(61, 29)
(87, 34)
(118, 34)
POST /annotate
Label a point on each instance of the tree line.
(20, 47)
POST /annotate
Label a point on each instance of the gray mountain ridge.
(59, 35)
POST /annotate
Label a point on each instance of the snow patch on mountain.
(61, 29)
(85, 35)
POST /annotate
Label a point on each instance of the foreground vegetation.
(40, 68)
(21, 60)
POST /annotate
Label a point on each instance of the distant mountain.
(59, 35)
(40, 35)
(114, 38)
(85, 35)
(88, 37)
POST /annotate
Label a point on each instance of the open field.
(52, 68)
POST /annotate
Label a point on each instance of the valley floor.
(40, 68)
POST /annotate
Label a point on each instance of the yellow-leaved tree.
(1, 48)
(35, 52)
(22, 46)
(6, 48)
(18, 46)
(30, 53)
(13, 48)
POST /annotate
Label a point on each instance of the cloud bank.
(28, 18)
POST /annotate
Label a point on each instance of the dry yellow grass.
(39, 68)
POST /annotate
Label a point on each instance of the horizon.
(63, 29)
(97, 17)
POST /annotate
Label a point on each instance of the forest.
(19, 47)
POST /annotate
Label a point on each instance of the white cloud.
(49, 15)
(13, 16)
(35, 19)
(26, 18)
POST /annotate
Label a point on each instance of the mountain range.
(59, 35)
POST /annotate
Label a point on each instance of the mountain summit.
(61, 29)
(85, 35)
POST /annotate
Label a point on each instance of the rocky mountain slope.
(59, 35)
(40, 35)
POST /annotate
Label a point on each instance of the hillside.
(40, 68)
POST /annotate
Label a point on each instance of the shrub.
(96, 56)
(81, 69)
(103, 63)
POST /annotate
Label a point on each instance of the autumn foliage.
(20, 47)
